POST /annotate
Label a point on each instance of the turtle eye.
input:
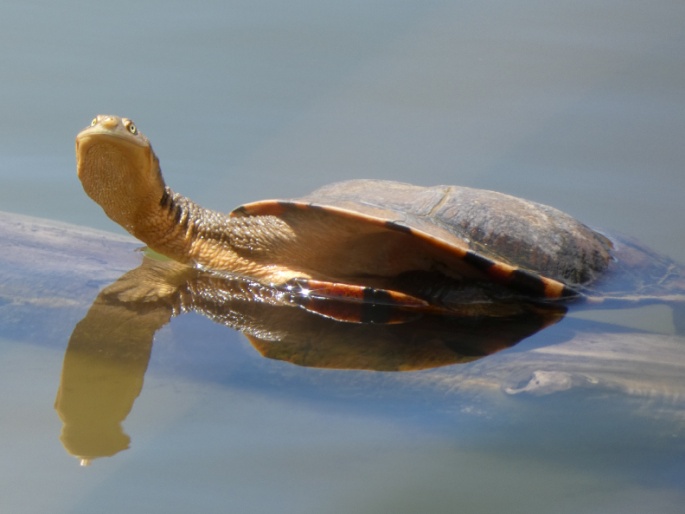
(132, 128)
(94, 122)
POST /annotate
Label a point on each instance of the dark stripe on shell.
(569, 292)
(520, 279)
(526, 281)
(393, 225)
(304, 206)
(478, 261)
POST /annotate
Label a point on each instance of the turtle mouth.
(92, 134)
(88, 141)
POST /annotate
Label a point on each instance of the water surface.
(575, 104)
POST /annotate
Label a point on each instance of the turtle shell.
(363, 229)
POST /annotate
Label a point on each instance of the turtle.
(375, 243)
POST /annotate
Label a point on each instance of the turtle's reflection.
(109, 349)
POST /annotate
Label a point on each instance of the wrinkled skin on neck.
(120, 171)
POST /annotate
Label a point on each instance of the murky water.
(578, 105)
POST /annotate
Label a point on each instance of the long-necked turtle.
(369, 241)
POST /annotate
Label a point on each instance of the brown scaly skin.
(120, 171)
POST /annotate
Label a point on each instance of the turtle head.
(118, 169)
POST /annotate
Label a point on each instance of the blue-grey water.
(580, 105)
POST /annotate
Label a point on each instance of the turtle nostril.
(109, 122)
